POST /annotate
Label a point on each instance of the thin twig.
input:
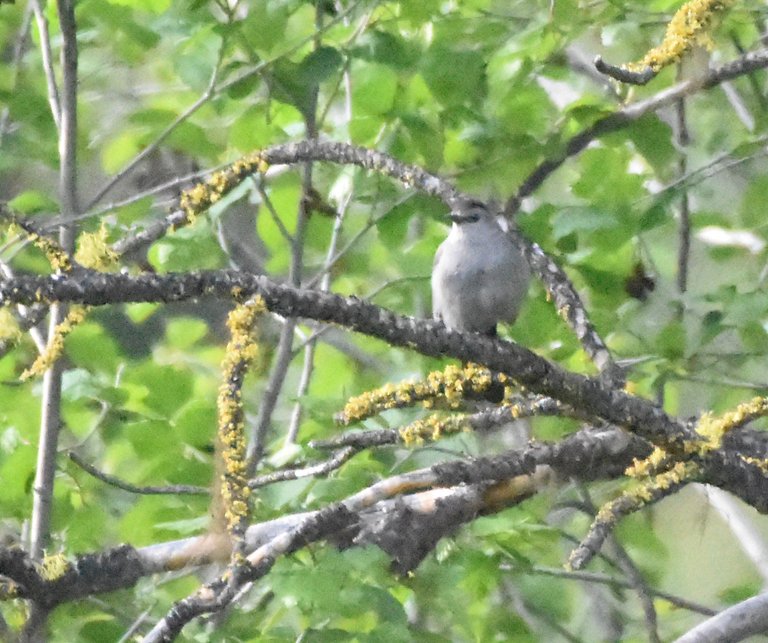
(754, 81)
(150, 149)
(283, 358)
(283, 354)
(684, 231)
(51, 413)
(372, 222)
(604, 579)
(272, 211)
(210, 92)
(268, 401)
(22, 39)
(319, 469)
(64, 110)
(630, 113)
(359, 439)
(721, 163)
(743, 527)
(30, 317)
(151, 490)
(163, 187)
(624, 75)
(633, 574)
(47, 56)
(311, 343)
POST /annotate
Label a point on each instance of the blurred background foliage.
(478, 91)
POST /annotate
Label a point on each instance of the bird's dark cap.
(465, 209)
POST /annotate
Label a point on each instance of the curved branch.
(626, 115)
(556, 281)
(736, 623)
(114, 481)
(428, 337)
(585, 455)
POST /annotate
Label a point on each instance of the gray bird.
(479, 276)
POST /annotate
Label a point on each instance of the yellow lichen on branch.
(53, 567)
(59, 259)
(452, 385)
(628, 502)
(714, 428)
(55, 347)
(240, 353)
(9, 327)
(93, 250)
(432, 428)
(648, 466)
(203, 195)
(690, 26)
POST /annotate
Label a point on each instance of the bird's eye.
(473, 218)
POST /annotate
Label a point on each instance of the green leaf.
(393, 225)
(252, 130)
(196, 423)
(379, 46)
(319, 65)
(375, 93)
(653, 139)
(168, 388)
(572, 220)
(297, 83)
(754, 336)
(184, 333)
(121, 149)
(32, 202)
(671, 341)
(196, 59)
(92, 348)
(439, 66)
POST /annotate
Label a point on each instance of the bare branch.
(178, 489)
(736, 623)
(604, 579)
(211, 91)
(626, 115)
(51, 413)
(47, 56)
(311, 471)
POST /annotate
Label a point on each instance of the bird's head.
(465, 211)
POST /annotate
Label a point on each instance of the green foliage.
(477, 91)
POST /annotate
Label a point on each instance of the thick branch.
(556, 281)
(585, 455)
(428, 337)
(736, 623)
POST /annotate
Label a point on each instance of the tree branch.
(177, 489)
(626, 115)
(745, 619)
(51, 418)
(426, 336)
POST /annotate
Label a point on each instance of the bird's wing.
(436, 294)
(438, 254)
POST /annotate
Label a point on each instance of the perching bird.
(479, 276)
